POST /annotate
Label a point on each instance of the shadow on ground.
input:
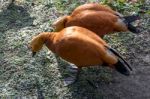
(15, 17)
(12, 19)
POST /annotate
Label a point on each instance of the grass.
(19, 71)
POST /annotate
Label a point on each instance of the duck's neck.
(49, 40)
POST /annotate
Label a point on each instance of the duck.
(100, 19)
(81, 47)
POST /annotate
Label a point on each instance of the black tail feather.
(132, 18)
(133, 29)
(117, 54)
(120, 67)
(128, 20)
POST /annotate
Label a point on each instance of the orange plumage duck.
(98, 18)
(81, 47)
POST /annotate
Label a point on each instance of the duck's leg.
(77, 75)
(72, 80)
(73, 68)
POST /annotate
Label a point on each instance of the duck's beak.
(33, 54)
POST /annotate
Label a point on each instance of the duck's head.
(36, 44)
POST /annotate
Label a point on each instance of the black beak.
(128, 20)
(33, 54)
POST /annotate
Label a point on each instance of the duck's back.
(94, 7)
(100, 22)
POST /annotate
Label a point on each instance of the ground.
(21, 75)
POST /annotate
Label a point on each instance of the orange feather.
(98, 18)
(78, 46)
